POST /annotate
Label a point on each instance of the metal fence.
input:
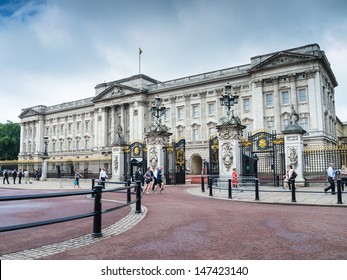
(252, 185)
(96, 193)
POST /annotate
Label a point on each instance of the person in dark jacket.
(5, 174)
(14, 176)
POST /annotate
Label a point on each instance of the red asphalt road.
(181, 226)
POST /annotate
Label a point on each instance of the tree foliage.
(9, 140)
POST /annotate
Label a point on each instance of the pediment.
(28, 113)
(282, 59)
(114, 91)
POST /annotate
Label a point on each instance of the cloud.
(57, 50)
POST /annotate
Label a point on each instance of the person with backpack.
(291, 176)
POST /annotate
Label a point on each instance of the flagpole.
(140, 52)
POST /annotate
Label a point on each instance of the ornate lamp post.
(45, 158)
(229, 99)
(157, 112)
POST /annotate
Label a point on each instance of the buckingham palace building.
(80, 135)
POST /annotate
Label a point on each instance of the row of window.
(29, 148)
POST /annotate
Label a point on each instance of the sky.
(56, 51)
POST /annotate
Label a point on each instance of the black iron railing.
(96, 193)
(249, 184)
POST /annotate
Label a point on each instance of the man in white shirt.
(103, 176)
(331, 177)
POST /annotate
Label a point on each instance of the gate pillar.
(155, 142)
(229, 135)
(294, 150)
(118, 163)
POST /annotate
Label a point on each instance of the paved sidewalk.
(304, 195)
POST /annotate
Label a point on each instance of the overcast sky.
(55, 51)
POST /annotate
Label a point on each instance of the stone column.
(229, 136)
(118, 163)
(155, 141)
(294, 151)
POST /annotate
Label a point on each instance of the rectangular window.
(87, 125)
(285, 122)
(70, 128)
(180, 113)
(78, 127)
(69, 145)
(246, 104)
(166, 115)
(54, 130)
(61, 129)
(195, 111)
(180, 134)
(86, 144)
(270, 125)
(77, 144)
(53, 148)
(211, 131)
(61, 146)
(302, 94)
(195, 134)
(247, 130)
(304, 123)
(285, 98)
(269, 100)
(211, 109)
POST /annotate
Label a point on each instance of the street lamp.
(229, 100)
(45, 140)
(45, 159)
(157, 111)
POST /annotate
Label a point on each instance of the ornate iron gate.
(175, 163)
(214, 157)
(263, 156)
(135, 155)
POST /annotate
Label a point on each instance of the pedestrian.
(204, 170)
(5, 174)
(289, 174)
(234, 178)
(154, 177)
(286, 179)
(343, 177)
(331, 178)
(26, 176)
(77, 179)
(103, 176)
(160, 179)
(20, 175)
(14, 176)
(138, 178)
(148, 181)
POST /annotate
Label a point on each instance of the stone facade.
(81, 133)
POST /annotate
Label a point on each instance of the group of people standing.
(15, 174)
(151, 180)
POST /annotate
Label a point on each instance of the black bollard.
(128, 192)
(210, 182)
(277, 181)
(256, 189)
(138, 197)
(97, 209)
(93, 183)
(292, 183)
(229, 189)
(202, 184)
(339, 192)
